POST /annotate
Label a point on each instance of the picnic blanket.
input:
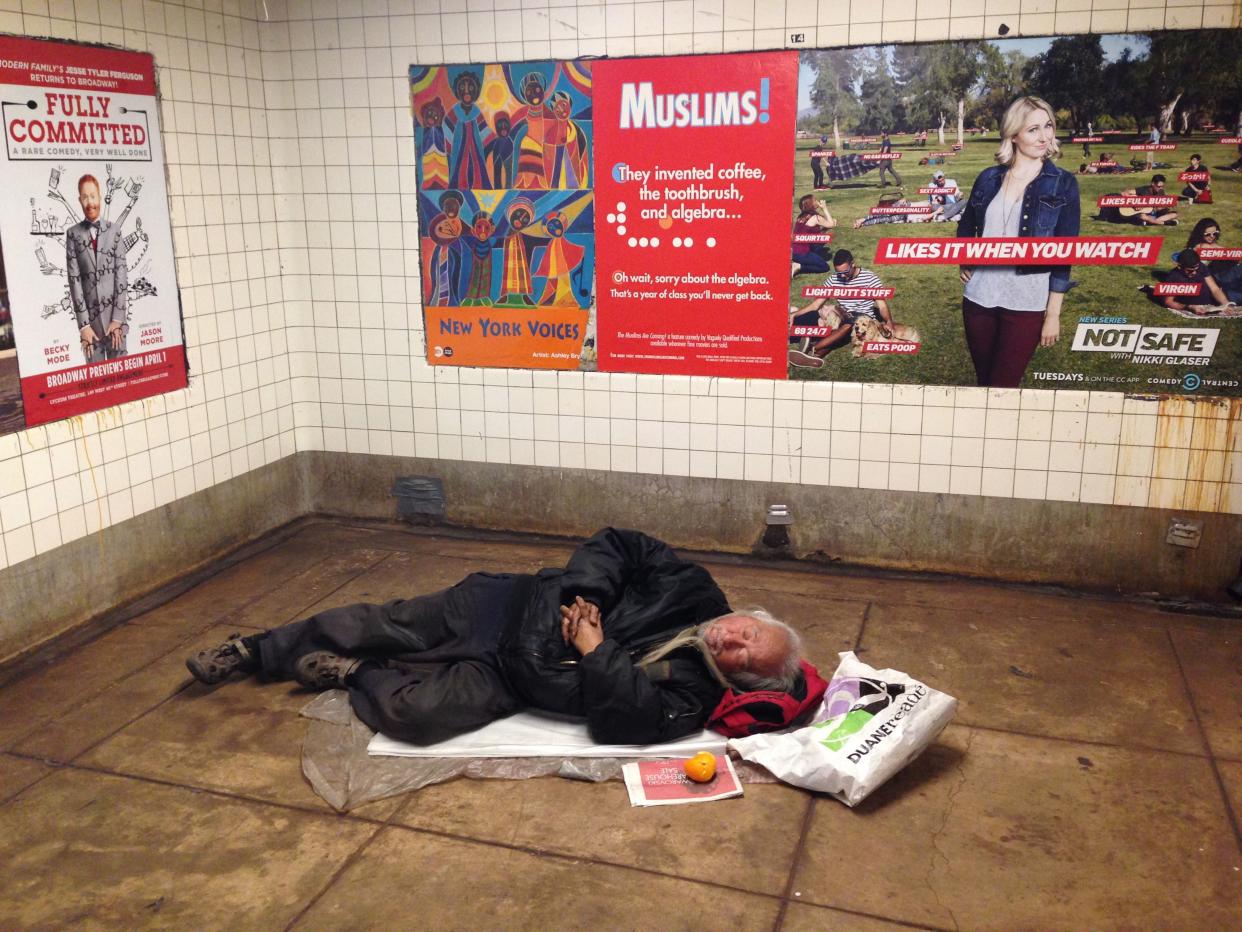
(843, 167)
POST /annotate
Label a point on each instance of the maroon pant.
(1001, 342)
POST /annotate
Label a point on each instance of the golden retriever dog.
(869, 330)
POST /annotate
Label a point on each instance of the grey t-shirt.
(1000, 285)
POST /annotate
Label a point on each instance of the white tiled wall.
(291, 179)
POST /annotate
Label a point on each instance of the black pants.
(433, 670)
(817, 171)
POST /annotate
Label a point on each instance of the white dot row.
(678, 241)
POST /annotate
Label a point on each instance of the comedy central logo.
(850, 703)
(1184, 345)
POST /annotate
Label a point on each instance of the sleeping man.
(639, 642)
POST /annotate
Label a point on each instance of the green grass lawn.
(929, 297)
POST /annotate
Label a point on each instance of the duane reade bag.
(870, 725)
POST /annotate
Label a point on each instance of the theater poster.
(505, 212)
(693, 165)
(88, 257)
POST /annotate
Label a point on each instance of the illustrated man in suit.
(98, 286)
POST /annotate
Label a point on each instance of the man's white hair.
(783, 681)
(791, 665)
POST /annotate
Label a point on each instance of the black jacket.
(646, 594)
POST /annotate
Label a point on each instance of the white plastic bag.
(870, 725)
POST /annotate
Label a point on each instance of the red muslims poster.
(692, 220)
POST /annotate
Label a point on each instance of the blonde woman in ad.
(1010, 310)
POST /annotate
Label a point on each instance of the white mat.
(528, 734)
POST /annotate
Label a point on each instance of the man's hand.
(88, 336)
(582, 625)
(115, 335)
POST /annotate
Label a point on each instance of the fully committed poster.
(693, 167)
(505, 212)
(87, 244)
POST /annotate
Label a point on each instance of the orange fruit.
(702, 767)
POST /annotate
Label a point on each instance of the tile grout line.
(862, 627)
(345, 864)
(580, 859)
(795, 862)
(1207, 745)
(52, 768)
(191, 788)
(298, 614)
(1116, 746)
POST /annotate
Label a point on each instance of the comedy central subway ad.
(1057, 212)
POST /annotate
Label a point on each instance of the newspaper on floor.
(664, 783)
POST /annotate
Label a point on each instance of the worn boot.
(219, 663)
(323, 669)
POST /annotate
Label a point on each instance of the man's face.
(741, 644)
(88, 197)
(845, 271)
(1157, 187)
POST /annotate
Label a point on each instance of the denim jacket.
(1049, 208)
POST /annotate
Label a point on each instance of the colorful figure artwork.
(520, 125)
(480, 243)
(507, 248)
(562, 260)
(515, 284)
(445, 231)
(433, 145)
(471, 135)
(503, 154)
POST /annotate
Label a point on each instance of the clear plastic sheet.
(336, 762)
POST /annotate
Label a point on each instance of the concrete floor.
(1092, 779)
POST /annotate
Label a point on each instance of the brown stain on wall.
(1208, 429)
